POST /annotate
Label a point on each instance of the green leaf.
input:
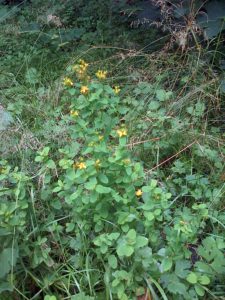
(113, 236)
(91, 184)
(192, 278)
(70, 227)
(123, 297)
(93, 197)
(204, 280)
(74, 195)
(182, 268)
(103, 248)
(51, 164)
(122, 141)
(203, 267)
(162, 95)
(167, 264)
(48, 297)
(212, 21)
(124, 250)
(153, 183)
(141, 241)
(176, 288)
(81, 296)
(103, 178)
(5, 286)
(38, 158)
(8, 258)
(103, 189)
(112, 260)
(72, 91)
(131, 236)
(123, 110)
(154, 105)
(199, 290)
(149, 216)
(146, 189)
(44, 152)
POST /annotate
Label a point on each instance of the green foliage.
(102, 210)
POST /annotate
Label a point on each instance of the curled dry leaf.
(54, 20)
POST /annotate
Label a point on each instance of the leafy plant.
(121, 222)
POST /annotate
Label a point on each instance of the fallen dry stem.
(171, 157)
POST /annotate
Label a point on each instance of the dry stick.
(142, 142)
(168, 159)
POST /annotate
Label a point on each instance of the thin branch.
(171, 157)
(142, 142)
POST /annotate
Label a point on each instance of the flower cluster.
(101, 74)
(116, 89)
(122, 132)
(97, 163)
(74, 113)
(139, 193)
(84, 90)
(68, 82)
(79, 165)
(81, 68)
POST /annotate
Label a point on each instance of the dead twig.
(171, 157)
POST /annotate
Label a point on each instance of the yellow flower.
(84, 89)
(75, 67)
(67, 81)
(80, 165)
(116, 89)
(3, 170)
(101, 74)
(83, 63)
(139, 193)
(97, 163)
(122, 132)
(100, 137)
(74, 113)
(83, 68)
(80, 68)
